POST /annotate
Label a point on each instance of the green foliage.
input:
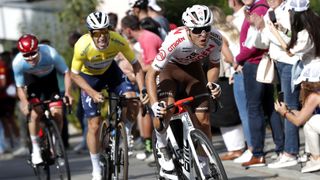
(315, 5)
(174, 8)
(72, 18)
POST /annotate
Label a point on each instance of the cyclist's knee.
(93, 125)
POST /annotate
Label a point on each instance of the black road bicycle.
(55, 161)
(186, 144)
(113, 139)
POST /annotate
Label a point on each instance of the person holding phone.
(309, 115)
(259, 95)
(263, 38)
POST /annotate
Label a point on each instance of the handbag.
(266, 72)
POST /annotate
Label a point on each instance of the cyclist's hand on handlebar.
(159, 109)
(215, 89)
(68, 99)
(97, 97)
(144, 97)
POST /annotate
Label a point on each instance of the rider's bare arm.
(67, 82)
(151, 84)
(139, 75)
(213, 72)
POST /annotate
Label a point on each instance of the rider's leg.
(93, 143)
(129, 116)
(33, 125)
(57, 114)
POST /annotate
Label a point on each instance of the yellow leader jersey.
(89, 60)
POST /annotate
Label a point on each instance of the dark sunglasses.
(199, 30)
(98, 33)
(30, 54)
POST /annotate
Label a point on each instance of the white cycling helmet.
(97, 20)
(197, 16)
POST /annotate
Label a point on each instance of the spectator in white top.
(263, 38)
(309, 115)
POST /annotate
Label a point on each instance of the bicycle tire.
(121, 158)
(58, 153)
(216, 169)
(105, 160)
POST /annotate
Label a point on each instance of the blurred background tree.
(72, 18)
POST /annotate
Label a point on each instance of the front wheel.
(213, 168)
(120, 153)
(61, 168)
(105, 160)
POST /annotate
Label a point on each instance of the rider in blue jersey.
(35, 70)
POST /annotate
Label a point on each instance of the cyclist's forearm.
(22, 95)
(76, 78)
(151, 85)
(139, 75)
(67, 83)
(213, 72)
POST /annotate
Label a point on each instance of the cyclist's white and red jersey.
(178, 48)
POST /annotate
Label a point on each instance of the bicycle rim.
(121, 159)
(202, 144)
(106, 163)
(61, 168)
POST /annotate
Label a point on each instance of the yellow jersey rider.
(93, 67)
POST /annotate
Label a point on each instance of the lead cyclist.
(179, 63)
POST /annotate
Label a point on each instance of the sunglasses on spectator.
(29, 55)
(98, 33)
(199, 30)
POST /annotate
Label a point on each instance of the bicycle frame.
(189, 151)
(52, 137)
(115, 132)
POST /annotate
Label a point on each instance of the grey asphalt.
(16, 168)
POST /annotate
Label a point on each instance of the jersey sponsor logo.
(98, 64)
(96, 57)
(88, 101)
(178, 31)
(204, 53)
(196, 56)
(186, 49)
(157, 66)
(161, 55)
(175, 44)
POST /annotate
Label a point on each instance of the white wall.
(116, 6)
(18, 17)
